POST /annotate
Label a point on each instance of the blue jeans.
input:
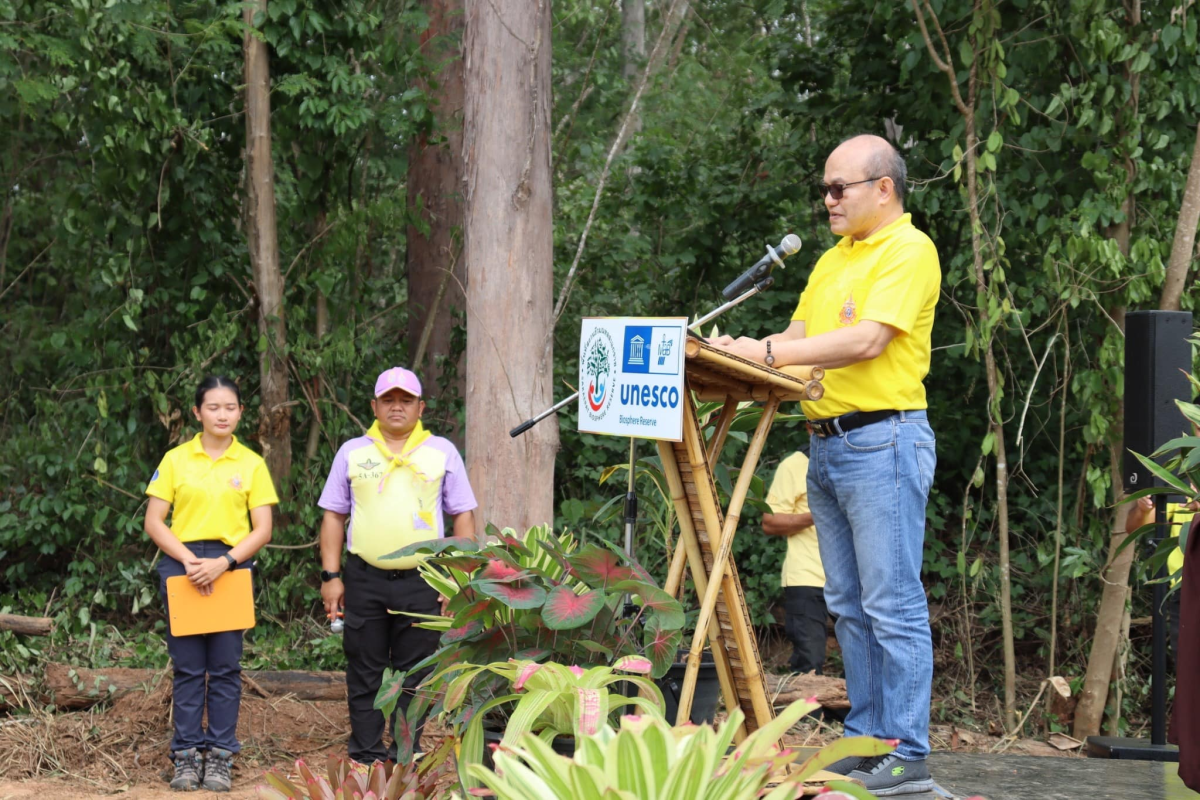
(208, 671)
(867, 490)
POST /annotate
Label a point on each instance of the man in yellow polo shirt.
(392, 486)
(803, 579)
(866, 317)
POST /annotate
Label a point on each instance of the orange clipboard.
(230, 607)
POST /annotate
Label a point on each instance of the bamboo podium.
(706, 532)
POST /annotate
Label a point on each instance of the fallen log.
(71, 688)
(786, 689)
(29, 626)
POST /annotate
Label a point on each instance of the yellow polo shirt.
(789, 495)
(891, 277)
(211, 499)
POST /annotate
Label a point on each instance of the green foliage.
(648, 759)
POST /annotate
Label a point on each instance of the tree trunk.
(509, 257)
(436, 274)
(1107, 638)
(274, 428)
(966, 108)
(633, 37)
(1185, 235)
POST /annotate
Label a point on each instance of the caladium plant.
(539, 597)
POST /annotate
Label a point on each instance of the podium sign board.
(631, 377)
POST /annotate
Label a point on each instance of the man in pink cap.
(393, 487)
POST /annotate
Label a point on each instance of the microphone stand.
(761, 285)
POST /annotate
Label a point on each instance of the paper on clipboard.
(230, 607)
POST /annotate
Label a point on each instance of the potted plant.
(417, 780)
(539, 597)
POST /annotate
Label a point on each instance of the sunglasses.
(836, 190)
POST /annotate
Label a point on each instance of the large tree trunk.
(274, 429)
(633, 37)
(509, 257)
(1185, 235)
(436, 273)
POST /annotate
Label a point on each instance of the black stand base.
(1129, 749)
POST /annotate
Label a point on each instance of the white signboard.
(631, 377)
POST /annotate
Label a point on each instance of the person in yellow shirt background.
(219, 495)
(802, 578)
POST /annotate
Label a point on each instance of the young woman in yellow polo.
(219, 494)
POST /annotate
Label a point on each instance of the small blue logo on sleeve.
(154, 477)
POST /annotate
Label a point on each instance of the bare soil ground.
(122, 750)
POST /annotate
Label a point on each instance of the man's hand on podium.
(744, 347)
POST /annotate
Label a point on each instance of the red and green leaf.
(389, 691)
(532, 654)
(599, 567)
(463, 633)
(497, 570)
(661, 645)
(514, 595)
(463, 563)
(636, 664)
(654, 599)
(565, 610)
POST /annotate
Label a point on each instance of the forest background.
(1049, 144)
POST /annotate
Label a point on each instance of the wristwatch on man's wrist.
(770, 359)
(327, 576)
(233, 562)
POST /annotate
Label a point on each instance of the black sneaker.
(844, 766)
(889, 775)
(218, 767)
(188, 768)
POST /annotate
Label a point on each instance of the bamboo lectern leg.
(721, 556)
(689, 546)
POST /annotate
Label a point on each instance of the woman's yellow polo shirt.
(211, 500)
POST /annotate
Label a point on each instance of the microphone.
(760, 273)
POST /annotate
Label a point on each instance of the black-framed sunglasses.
(835, 190)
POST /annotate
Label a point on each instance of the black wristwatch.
(233, 562)
(770, 359)
(327, 576)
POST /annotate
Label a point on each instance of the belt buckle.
(820, 428)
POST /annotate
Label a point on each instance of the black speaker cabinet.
(1158, 359)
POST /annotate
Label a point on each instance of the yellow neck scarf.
(392, 461)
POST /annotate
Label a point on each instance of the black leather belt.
(389, 574)
(847, 422)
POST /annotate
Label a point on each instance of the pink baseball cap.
(397, 378)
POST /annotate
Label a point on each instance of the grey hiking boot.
(218, 766)
(188, 768)
(889, 775)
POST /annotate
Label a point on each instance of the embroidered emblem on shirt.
(368, 465)
(849, 312)
(236, 482)
(154, 477)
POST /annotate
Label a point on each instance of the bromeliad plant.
(415, 780)
(647, 759)
(551, 700)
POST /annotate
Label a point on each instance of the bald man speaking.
(866, 316)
